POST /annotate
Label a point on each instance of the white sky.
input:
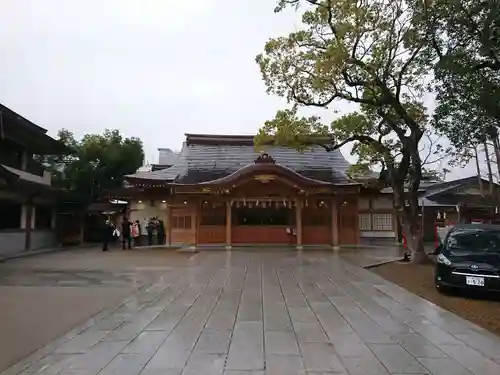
(154, 69)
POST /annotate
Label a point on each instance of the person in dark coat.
(126, 235)
(161, 232)
(107, 234)
(150, 228)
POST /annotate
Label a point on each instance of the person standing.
(150, 229)
(107, 234)
(161, 232)
(135, 232)
(126, 235)
(138, 239)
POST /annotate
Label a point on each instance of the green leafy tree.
(364, 52)
(98, 163)
(465, 43)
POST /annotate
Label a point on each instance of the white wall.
(377, 234)
(363, 204)
(382, 203)
(144, 210)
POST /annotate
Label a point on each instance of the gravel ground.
(419, 279)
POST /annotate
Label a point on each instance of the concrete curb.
(377, 264)
(167, 247)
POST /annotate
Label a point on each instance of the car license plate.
(473, 280)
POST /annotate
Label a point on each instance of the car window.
(466, 241)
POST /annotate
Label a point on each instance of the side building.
(220, 191)
(27, 198)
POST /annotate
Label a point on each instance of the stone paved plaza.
(273, 312)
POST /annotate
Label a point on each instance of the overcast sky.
(155, 69)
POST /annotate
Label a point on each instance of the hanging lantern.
(257, 203)
(438, 216)
(244, 202)
(444, 215)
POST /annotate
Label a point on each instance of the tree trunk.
(496, 147)
(414, 238)
(479, 178)
(488, 164)
(410, 224)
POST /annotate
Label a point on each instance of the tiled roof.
(166, 156)
(450, 185)
(201, 162)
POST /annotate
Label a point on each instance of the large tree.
(364, 52)
(465, 43)
(98, 163)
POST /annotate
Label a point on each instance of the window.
(43, 217)
(473, 241)
(181, 222)
(11, 215)
(382, 222)
(365, 222)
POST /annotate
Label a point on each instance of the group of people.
(133, 233)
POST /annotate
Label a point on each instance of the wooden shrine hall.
(220, 191)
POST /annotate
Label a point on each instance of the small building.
(465, 200)
(27, 198)
(221, 191)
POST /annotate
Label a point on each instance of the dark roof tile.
(205, 162)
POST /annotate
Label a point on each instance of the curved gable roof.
(208, 158)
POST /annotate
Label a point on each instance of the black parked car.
(469, 258)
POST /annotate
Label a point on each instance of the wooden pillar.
(82, 228)
(335, 224)
(28, 224)
(53, 219)
(169, 225)
(355, 204)
(197, 222)
(298, 222)
(229, 223)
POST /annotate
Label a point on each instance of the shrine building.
(219, 191)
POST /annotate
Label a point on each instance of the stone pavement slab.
(44, 296)
(277, 312)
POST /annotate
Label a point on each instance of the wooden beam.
(298, 222)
